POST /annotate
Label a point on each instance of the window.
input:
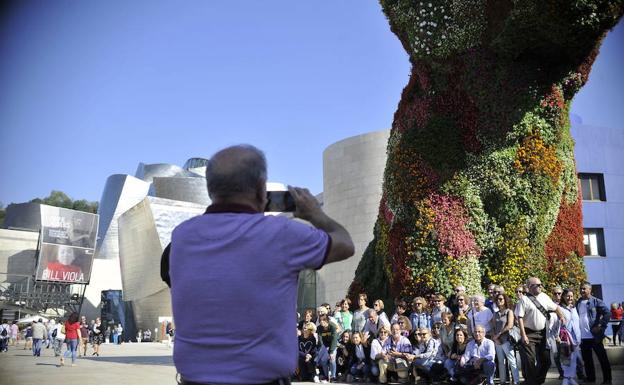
(592, 187)
(597, 291)
(593, 239)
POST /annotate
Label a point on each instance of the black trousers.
(535, 357)
(587, 345)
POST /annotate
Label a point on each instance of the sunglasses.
(557, 293)
(383, 332)
(401, 322)
(536, 284)
(519, 291)
(460, 299)
(421, 334)
(418, 303)
(457, 290)
(500, 299)
(436, 327)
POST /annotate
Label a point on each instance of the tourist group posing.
(465, 339)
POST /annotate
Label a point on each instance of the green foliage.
(60, 199)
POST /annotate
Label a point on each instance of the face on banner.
(68, 227)
(64, 263)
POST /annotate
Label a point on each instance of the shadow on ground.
(135, 360)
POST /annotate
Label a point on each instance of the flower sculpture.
(480, 183)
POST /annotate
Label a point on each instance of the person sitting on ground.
(426, 353)
(457, 351)
(377, 352)
(478, 359)
(360, 363)
(307, 353)
(396, 351)
(342, 356)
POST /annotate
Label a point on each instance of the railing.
(17, 290)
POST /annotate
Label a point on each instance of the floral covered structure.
(480, 183)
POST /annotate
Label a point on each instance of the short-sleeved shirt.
(230, 259)
(71, 330)
(531, 316)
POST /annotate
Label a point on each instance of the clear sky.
(91, 88)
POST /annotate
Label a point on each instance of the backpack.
(54, 333)
(4, 332)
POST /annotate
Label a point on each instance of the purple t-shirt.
(234, 295)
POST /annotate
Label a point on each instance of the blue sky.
(92, 88)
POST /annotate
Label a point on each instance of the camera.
(279, 202)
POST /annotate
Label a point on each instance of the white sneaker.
(316, 380)
(324, 382)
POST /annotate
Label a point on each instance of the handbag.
(514, 335)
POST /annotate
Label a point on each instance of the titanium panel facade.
(181, 189)
(144, 231)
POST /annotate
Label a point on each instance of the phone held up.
(279, 202)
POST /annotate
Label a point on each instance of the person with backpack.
(5, 332)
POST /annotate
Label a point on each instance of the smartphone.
(279, 202)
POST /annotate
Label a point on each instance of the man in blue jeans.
(594, 317)
(39, 333)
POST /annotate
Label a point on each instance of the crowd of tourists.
(460, 339)
(78, 336)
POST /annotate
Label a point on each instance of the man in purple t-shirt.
(234, 258)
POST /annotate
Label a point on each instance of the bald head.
(236, 171)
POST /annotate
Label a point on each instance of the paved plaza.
(131, 364)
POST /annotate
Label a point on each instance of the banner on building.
(67, 245)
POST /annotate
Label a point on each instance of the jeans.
(72, 349)
(505, 351)
(356, 371)
(488, 368)
(36, 348)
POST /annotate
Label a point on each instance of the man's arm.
(164, 265)
(603, 314)
(308, 208)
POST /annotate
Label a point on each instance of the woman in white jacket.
(569, 352)
(58, 338)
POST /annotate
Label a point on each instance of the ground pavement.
(131, 364)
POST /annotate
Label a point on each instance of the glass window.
(592, 187)
(593, 240)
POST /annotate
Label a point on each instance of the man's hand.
(306, 206)
(525, 339)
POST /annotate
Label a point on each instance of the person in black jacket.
(328, 341)
(360, 363)
(342, 356)
(307, 352)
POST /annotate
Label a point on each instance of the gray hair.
(235, 170)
